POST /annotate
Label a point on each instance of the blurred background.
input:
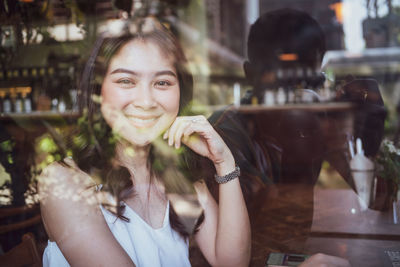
(44, 45)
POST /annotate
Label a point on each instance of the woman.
(144, 86)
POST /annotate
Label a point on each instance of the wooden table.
(337, 226)
(308, 220)
(341, 228)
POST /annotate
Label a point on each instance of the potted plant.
(387, 165)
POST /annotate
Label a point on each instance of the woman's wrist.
(227, 165)
(228, 177)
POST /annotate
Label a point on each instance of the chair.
(14, 211)
(24, 254)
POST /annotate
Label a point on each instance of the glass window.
(304, 94)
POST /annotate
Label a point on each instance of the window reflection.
(289, 96)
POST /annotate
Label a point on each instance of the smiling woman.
(140, 92)
(108, 205)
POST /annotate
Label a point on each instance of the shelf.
(311, 107)
(39, 115)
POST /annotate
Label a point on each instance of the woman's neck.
(135, 159)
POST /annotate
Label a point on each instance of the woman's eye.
(163, 83)
(125, 82)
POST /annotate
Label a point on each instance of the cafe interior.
(310, 108)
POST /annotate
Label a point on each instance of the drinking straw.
(351, 148)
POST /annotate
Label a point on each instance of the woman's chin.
(140, 141)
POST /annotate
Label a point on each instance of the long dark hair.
(97, 151)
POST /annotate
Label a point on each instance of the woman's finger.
(201, 127)
(172, 130)
(179, 126)
(165, 135)
(198, 138)
(179, 132)
(188, 132)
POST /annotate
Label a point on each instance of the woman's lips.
(142, 122)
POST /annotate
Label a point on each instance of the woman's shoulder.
(63, 186)
(72, 216)
(66, 194)
(64, 176)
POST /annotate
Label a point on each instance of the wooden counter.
(301, 219)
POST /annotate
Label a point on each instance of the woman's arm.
(73, 219)
(224, 236)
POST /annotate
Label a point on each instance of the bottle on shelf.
(282, 86)
(7, 105)
(269, 97)
(54, 105)
(74, 99)
(18, 105)
(280, 98)
(2, 96)
(27, 103)
(61, 106)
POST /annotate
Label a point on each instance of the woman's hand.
(226, 225)
(198, 134)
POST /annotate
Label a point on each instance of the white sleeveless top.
(145, 245)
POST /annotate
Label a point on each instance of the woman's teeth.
(144, 121)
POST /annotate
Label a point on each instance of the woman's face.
(140, 92)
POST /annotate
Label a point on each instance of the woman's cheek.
(109, 114)
(170, 101)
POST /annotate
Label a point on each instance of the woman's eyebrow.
(158, 73)
(165, 72)
(119, 70)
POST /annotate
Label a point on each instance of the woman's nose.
(144, 98)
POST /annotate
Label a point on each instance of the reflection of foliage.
(47, 151)
(16, 158)
(6, 167)
(31, 194)
(91, 143)
(169, 163)
(6, 148)
(5, 177)
(76, 141)
(47, 145)
(388, 161)
(5, 194)
(95, 133)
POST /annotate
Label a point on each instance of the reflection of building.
(381, 64)
(226, 23)
(382, 32)
(326, 12)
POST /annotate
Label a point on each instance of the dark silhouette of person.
(288, 146)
